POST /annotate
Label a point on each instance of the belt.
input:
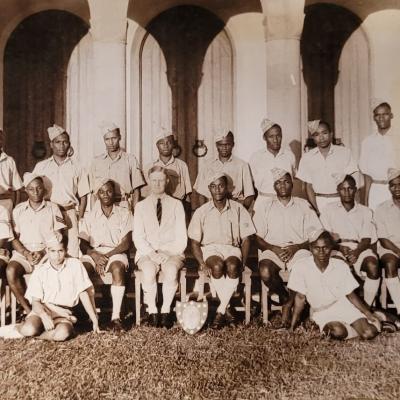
(67, 208)
(348, 240)
(380, 181)
(327, 194)
(4, 196)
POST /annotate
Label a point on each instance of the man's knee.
(335, 330)
(390, 263)
(170, 272)
(29, 329)
(14, 271)
(217, 266)
(371, 267)
(233, 267)
(62, 332)
(117, 270)
(149, 272)
(368, 332)
(268, 271)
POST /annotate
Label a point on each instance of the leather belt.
(348, 241)
(67, 208)
(380, 181)
(327, 194)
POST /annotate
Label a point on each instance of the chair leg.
(264, 302)
(2, 304)
(383, 297)
(201, 281)
(247, 287)
(13, 308)
(183, 284)
(138, 292)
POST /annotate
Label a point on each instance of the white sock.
(168, 291)
(225, 287)
(117, 295)
(149, 296)
(371, 287)
(393, 285)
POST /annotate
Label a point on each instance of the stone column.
(283, 22)
(108, 27)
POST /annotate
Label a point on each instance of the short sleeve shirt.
(60, 287)
(317, 170)
(229, 226)
(35, 226)
(64, 182)
(387, 217)
(263, 161)
(282, 225)
(321, 288)
(240, 181)
(5, 224)
(355, 224)
(101, 231)
(124, 170)
(9, 176)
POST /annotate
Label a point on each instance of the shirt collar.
(42, 205)
(99, 211)
(170, 161)
(119, 155)
(290, 204)
(67, 159)
(226, 207)
(354, 209)
(229, 159)
(3, 156)
(50, 267)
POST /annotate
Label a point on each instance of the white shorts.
(22, 260)
(270, 255)
(58, 314)
(122, 258)
(223, 251)
(342, 311)
(382, 251)
(357, 266)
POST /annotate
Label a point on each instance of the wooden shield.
(191, 315)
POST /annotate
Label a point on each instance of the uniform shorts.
(22, 260)
(342, 311)
(58, 314)
(270, 255)
(358, 264)
(223, 251)
(382, 251)
(122, 258)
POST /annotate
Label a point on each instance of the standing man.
(118, 165)
(283, 226)
(319, 164)
(272, 156)
(34, 221)
(66, 183)
(220, 231)
(160, 237)
(106, 237)
(379, 152)
(387, 218)
(353, 229)
(10, 181)
(237, 171)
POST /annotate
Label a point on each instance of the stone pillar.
(108, 27)
(283, 22)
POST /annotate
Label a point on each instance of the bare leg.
(15, 277)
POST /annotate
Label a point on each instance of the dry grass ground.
(241, 363)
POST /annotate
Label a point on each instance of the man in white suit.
(160, 237)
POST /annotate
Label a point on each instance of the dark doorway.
(184, 34)
(35, 78)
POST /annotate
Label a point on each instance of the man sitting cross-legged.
(283, 225)
(328, 286)
(160, 237)
(352, 227)
(54, 288)
(105, 235)
(220, 231)
(33, 220)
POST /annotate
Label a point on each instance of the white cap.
(278, 173)
(162, 134)
(267, 124)
(55, 131)
(393, 173)
(215, 176)
(223, 134)
(313, 125)
(107, 127)
(338, 178)
(54, 239)
(29, 177)
(101, 182)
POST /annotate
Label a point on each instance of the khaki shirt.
(229, 226)
(35, 226)
(61, 287)
(9, 177)
(240, 183)
(314, 168)
(5, 224)
(65, 182)
(124, 170)
(100, 231)
(387, 217)
(355, 224)
(179, 184)
(282, 225)
(263, 161)
(148, 235)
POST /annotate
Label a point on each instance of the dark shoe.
(219, 321)
(165, 320)
(116, 325)
(153, 320)
(231, 317)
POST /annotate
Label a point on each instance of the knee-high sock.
(371, 287)
(168, 291)
(149, 296)
(393, 285)
(225, 287)
(117, 295)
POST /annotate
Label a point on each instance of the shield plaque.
(191, 315)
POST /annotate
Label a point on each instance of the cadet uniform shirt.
(148, 235)
(124, 170)
(100, 231)
(228, 227)
(240, 182)
(387, 217)
(314, 168)
(35, 226)
(179, 181)
(60, 287)
(65, 182)
(281, 225)
(263, 161)
(9, 177)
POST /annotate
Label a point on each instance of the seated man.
(283, 225)
(220, 231)
(105, 235)
(6, 235)
(159, 234)
(33, 220)
(352, 227)
(237, 171)
(54, 288)
(387, 218)
(328, 286)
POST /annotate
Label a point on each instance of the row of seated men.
(285, 228)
